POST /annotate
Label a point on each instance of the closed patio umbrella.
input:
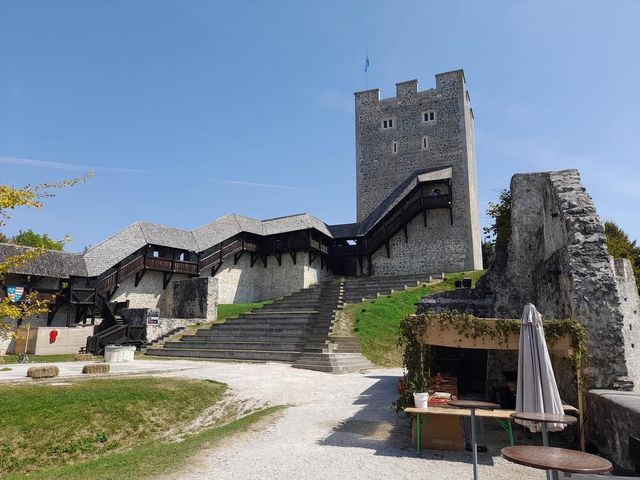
(537, 389)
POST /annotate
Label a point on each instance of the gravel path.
(339, 426)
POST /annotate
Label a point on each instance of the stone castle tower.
(417, 130)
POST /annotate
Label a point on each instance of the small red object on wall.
(53, 335)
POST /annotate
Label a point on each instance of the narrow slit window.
(425, 143)
(394, 147)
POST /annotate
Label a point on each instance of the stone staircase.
(296, 329)
(163, 338)
(358, 289)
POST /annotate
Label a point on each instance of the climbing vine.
(417, 355)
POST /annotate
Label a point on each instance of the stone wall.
(450, 143)
(428, 250)
(557, 259)
(243, 283)
(149, 292)
(193, 298)
(166, 325)
(611, 416)
(630, 307)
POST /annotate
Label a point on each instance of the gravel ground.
(17, 372)
(339, 426)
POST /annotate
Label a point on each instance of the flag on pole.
(366, 63)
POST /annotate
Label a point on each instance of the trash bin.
(118, 353)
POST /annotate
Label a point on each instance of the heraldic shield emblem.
(15, 293)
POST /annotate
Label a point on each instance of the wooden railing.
(393, 223)
(107, 283)
(133, 266)
(181, 266)
(156, 263)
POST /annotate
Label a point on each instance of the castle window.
(425, 143)
(394, 147)
(429, 116)
(388, 123)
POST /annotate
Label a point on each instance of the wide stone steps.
(227, 345)
(333, 362)
(277, 338)
(263, 355)
(294, 329)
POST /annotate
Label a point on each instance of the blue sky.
(183, 108)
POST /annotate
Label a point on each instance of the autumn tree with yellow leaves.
(11, 198)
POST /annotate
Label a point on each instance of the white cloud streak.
(262, 185)
(30, 162)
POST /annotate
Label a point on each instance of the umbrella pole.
(580, 407)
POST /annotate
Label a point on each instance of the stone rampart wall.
(243, 283)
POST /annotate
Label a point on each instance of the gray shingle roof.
(290, 223)
(51, 263)
(126, 242)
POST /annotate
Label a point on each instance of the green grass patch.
(151, 459)
(376, 322)
(67, 357)
(234, 309)
(44, 426)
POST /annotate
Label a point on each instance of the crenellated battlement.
(447, 84)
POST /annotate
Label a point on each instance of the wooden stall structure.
(447, 335)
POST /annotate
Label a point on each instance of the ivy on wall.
(417, 356)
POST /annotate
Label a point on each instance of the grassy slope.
(377, 321)
(44, 426)
(151, 459)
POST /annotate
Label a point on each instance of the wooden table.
(502, 417)
(472, 405)
(553, 458)
(543, 419)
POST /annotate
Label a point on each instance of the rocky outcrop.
(557, 259)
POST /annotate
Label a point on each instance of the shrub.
(96, 368)
(43, 372)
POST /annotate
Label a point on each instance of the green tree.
(497, 236)
(30, 238)
(488, 253)
(620, 245)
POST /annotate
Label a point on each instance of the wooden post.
(580, 407)
(26, 340)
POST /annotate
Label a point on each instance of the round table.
(473, 405)
(553, 458)
(543, 419)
